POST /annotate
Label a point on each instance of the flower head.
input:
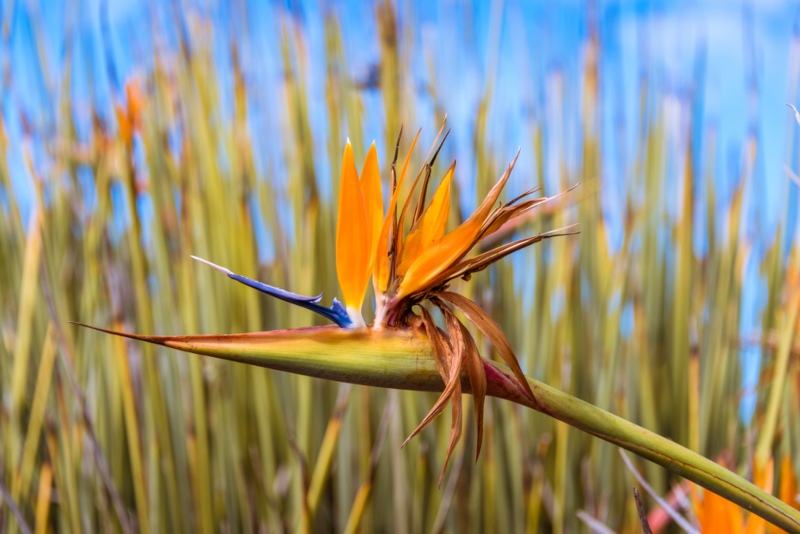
(412, 260)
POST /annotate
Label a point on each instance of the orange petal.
(380, 273)
(720, 515)
(788, 488)
(373, 197)
(352, 238)
(431, 225)
(763, 475)
(133, 94)
(123, 123)
(437, 258)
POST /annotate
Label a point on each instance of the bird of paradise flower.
(411, 269)
(412, 263)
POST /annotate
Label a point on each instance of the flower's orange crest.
(360, 202)
(413, 267)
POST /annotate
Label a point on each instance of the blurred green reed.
(101, 434)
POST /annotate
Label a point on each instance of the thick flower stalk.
(417, 341)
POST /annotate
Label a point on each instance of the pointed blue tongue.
(336, 313)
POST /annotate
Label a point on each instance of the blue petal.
(336, 313)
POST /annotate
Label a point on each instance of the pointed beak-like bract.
(336, 313)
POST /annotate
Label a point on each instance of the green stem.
(403, 360)
(666, 453)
